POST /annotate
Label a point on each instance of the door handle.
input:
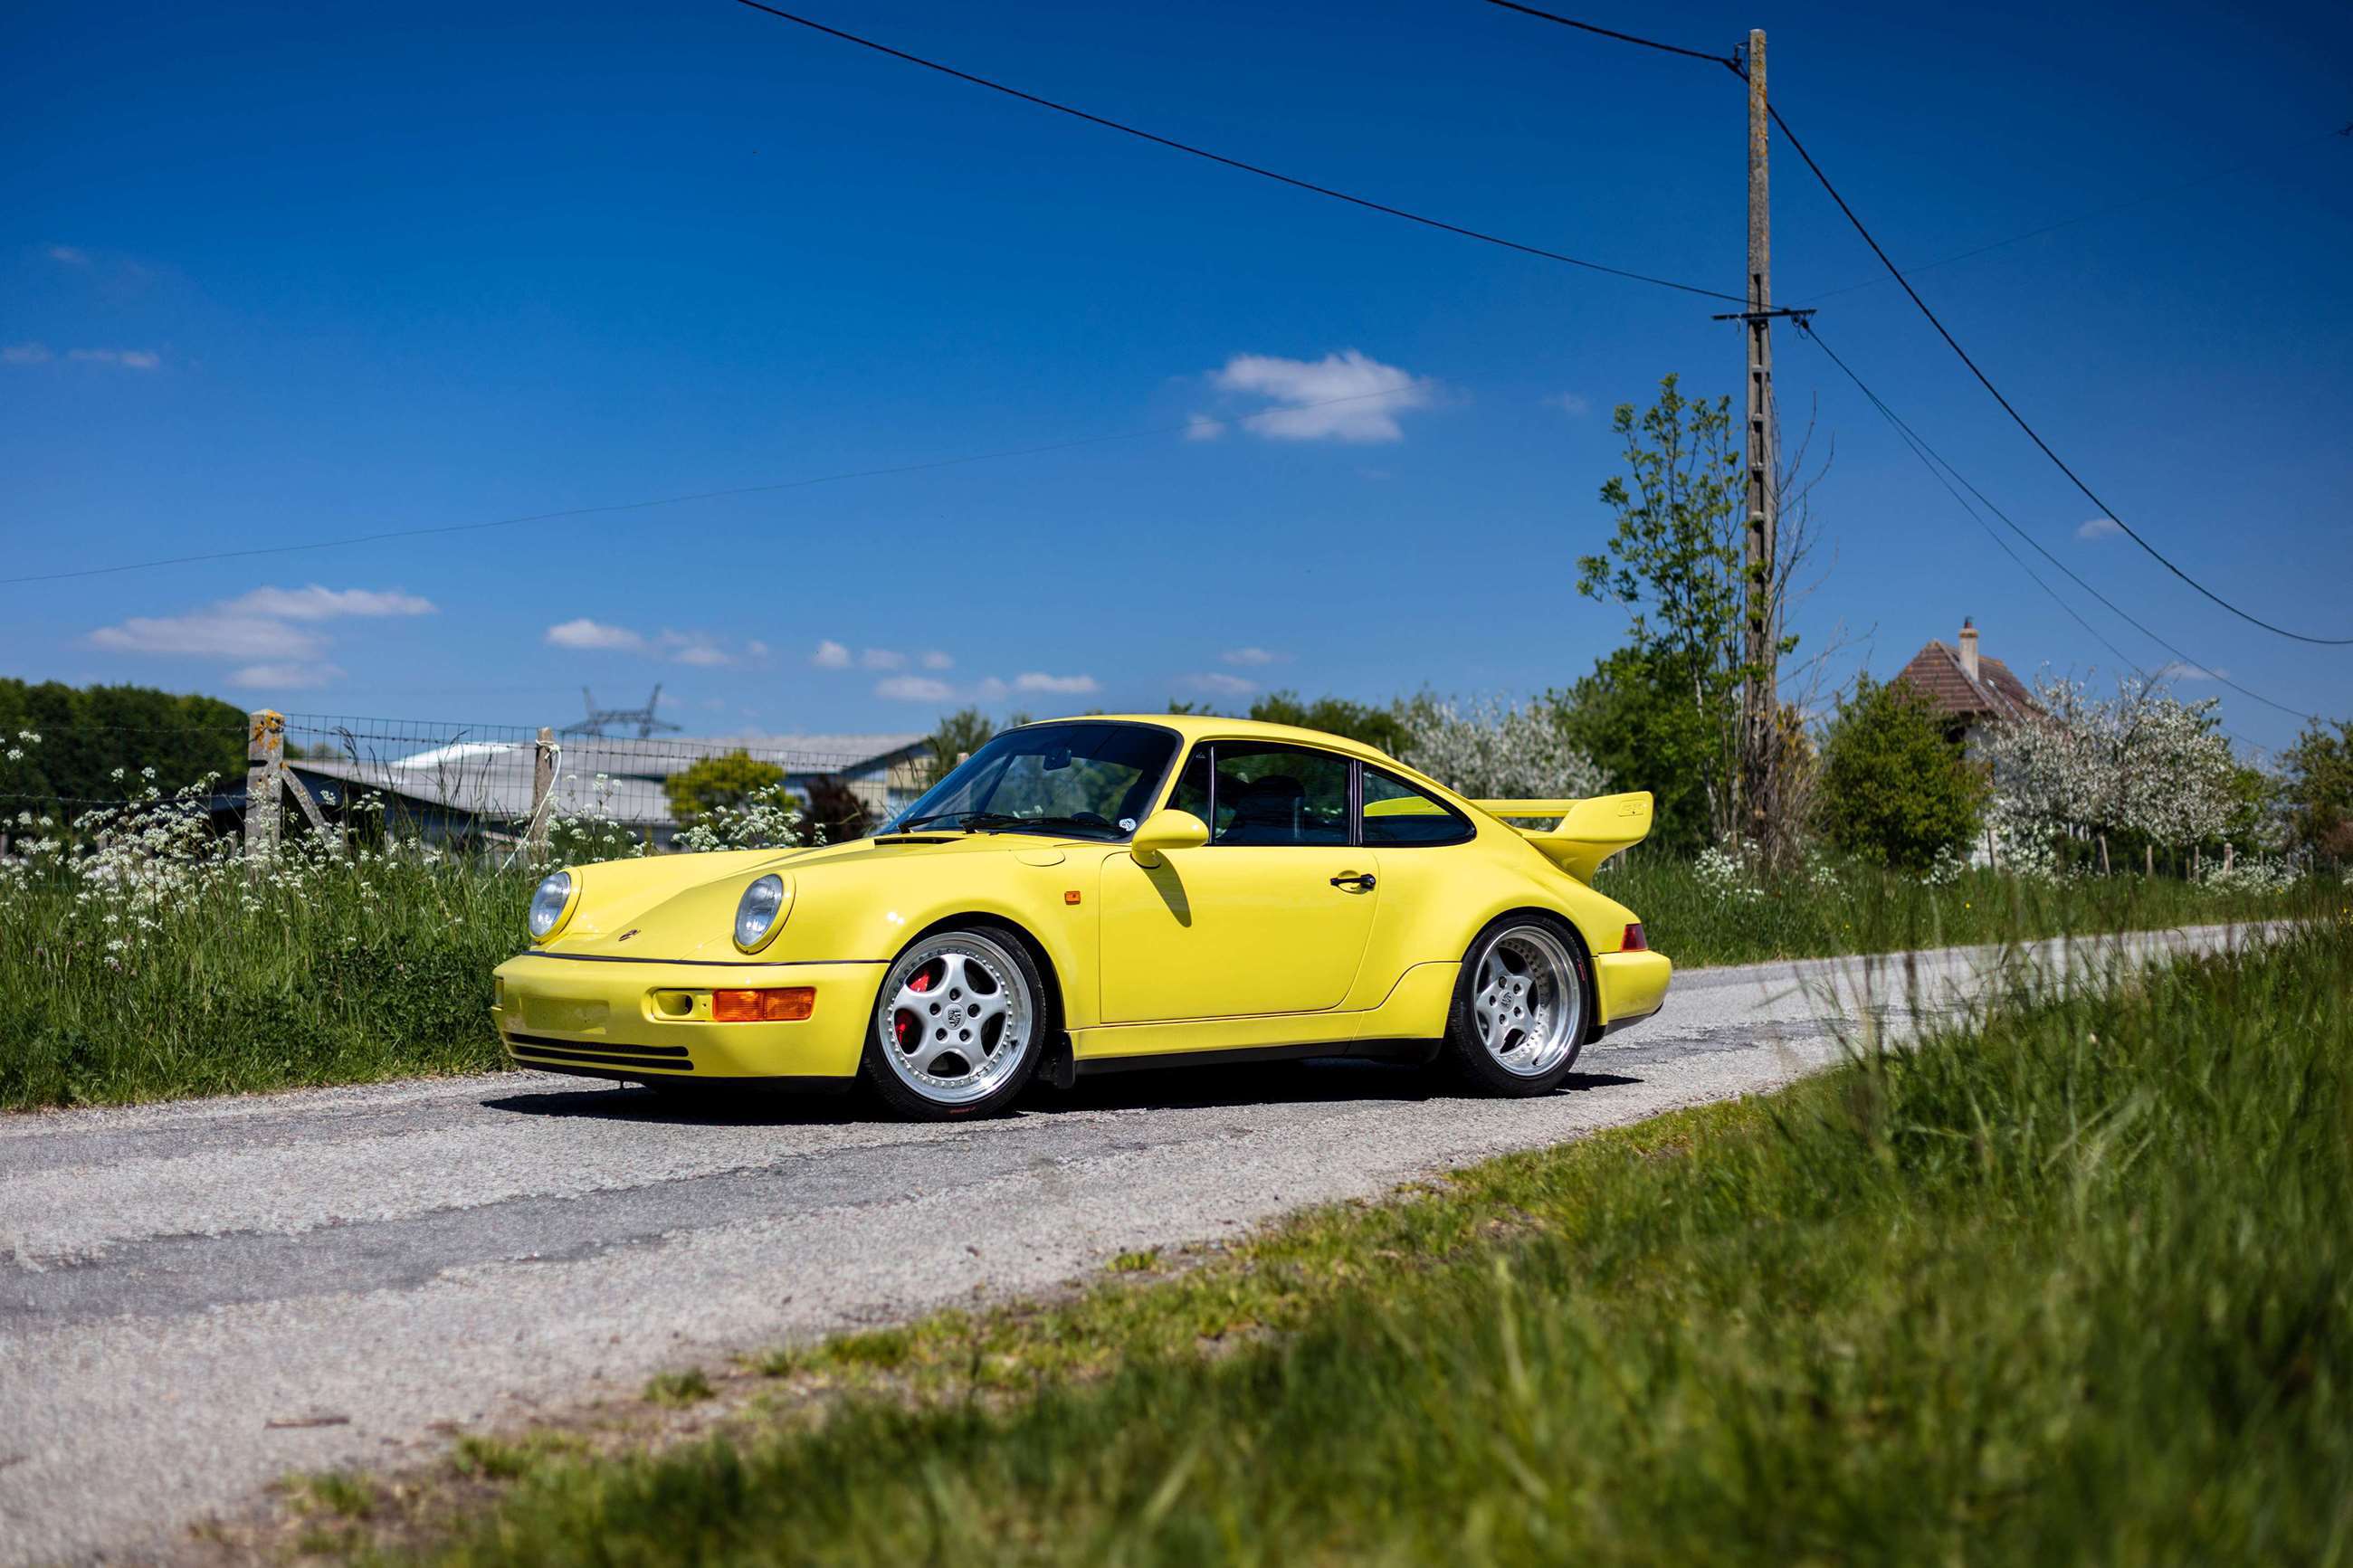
(1361, 881)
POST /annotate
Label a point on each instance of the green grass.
(176, 974)
(199, 981)
(1856, 909)
(2074, 1283)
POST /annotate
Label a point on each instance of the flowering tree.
(2143, 762)
(1493, 749)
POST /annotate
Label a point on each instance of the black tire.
(1519, 940)
(993, 957)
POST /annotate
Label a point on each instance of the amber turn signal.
(780, 1005)
(1635, 940)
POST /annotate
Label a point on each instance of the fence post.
(543, 783)
(264, 768)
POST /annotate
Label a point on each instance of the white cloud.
(882, 658)
(285, 677)
(270, 624)
(1223, 684)
(70, 255)
(2099, 528)
(1201, 427)
(701, 653)
(1067, 685)
(1570, 403)
(2178, 670)
(1343, 396)
(318, 604)
(216, 633)
(1252, 657)
(129, 359)
(935, 659)
(914, 689)
(992, 690)
(585, 632)
(755, 649)
(830, 655)
(25, 353)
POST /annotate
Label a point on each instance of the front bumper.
(1634, 986)
(625, 1018)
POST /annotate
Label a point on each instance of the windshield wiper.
(1003, 821)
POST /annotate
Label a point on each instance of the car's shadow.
(1162, 1088)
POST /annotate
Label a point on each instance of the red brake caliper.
(907, 1024)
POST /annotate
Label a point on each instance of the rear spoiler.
(1585, 833)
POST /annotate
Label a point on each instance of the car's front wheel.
(1521, 1007)
(960, 1024)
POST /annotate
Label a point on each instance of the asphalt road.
(196, 1299)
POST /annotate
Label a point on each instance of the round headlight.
(755, 914)
(548, 904)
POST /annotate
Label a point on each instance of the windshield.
(1089, 779)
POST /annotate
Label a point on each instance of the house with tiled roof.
(1968, 689)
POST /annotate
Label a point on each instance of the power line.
(1262, 172)
(1928, 453)
(1987, 382)
(388, 533)
(2145, 197)
(1545, 16)
(1737, 69)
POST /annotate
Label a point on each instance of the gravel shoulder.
(198, 1298)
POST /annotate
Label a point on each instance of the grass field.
(2074, 1283)
(175, 974)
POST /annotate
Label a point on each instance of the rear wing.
(1583, 833)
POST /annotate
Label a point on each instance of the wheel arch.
(997, 919)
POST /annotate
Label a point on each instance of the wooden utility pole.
(1760, 737)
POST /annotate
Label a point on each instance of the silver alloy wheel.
(1526, 1000)
(956, 1017)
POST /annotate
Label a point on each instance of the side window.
(1280, 794)
(1395, 812)
(1192, 790)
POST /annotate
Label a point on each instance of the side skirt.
(1420, 1051)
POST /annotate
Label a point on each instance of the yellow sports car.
(1094, 894)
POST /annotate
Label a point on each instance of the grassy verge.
(161, 969)
(2074, 1283)
(169, 980)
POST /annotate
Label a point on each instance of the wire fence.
(458, 784)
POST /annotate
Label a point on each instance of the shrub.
(729, 781)
(1892, 789)
(1490, 750)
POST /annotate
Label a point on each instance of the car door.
(1272, 915)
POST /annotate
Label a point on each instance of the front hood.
(683, 906)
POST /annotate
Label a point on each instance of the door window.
(1398, 813)
(1278, 795)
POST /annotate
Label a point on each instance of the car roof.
(1212, 727)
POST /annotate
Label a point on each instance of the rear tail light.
(778, 1004)
(1635, 940)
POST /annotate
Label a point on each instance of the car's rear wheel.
(1521, 1007)
(960, 1024)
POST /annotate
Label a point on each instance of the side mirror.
(1166, 830)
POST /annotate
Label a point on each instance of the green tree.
(1384, 728)
(1634, 717)
(956, 737)
(1674, 561)
(728, 781)
(1891, 788)
(87, 732)
(2317, 791)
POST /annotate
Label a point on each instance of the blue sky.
(275, 274)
